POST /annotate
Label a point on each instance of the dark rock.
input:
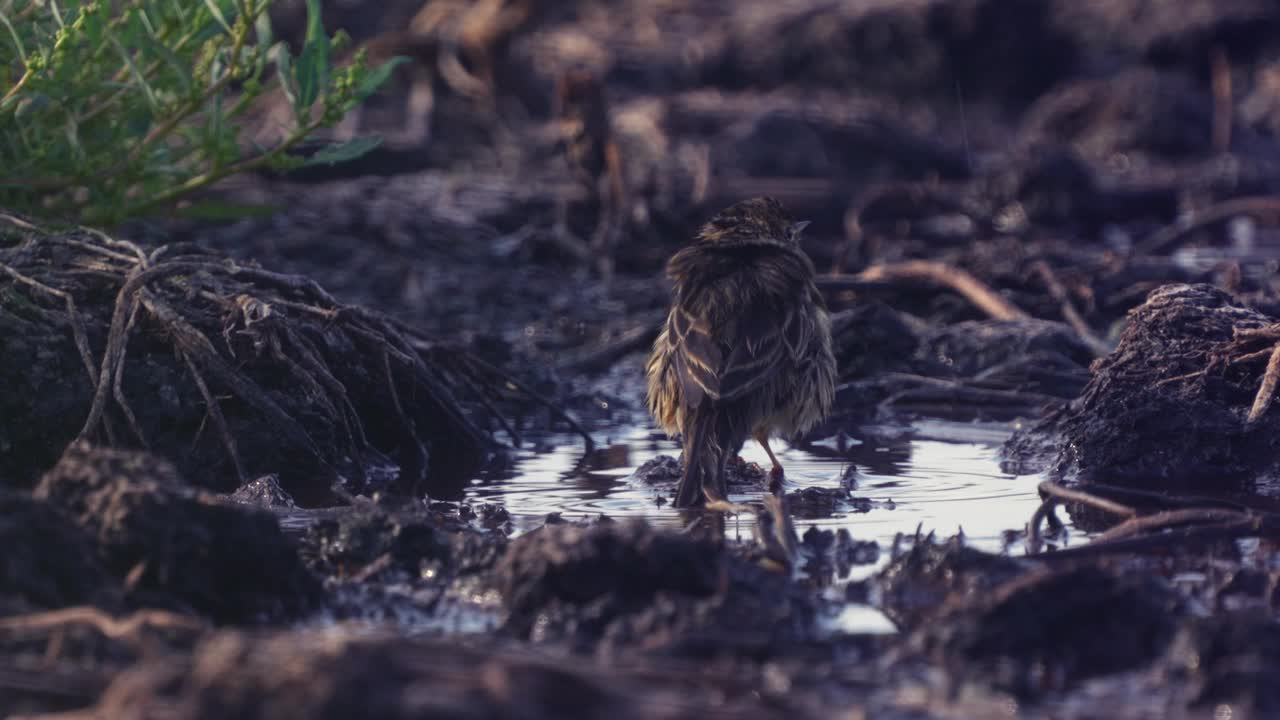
(1147, 417)
(175, 546)
(264, 492)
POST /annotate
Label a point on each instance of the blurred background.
(531, 141)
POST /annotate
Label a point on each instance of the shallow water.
(936, 475)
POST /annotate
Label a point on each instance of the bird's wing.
(696, 355)
(731, 358)
(766, 338)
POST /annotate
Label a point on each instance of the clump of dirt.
(48, 562)
(1052, 629)
(316, 391)
(977, 347)
(317, 675)
(1229, 659)
(1171, 405)
(405, 541)
(175, 547)
(872, 338)
(618, 585)
(1140, 111)
(919, 581)
(663, 474)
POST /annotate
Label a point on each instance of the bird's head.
(760, 221)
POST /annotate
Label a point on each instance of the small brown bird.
(746, 350)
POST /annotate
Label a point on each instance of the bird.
(746, 347)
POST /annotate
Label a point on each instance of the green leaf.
(378, 77)
(284, 73)
(137, 74)
(315, 23)
(17, 41)
(180, 70)
(344, 152)
(262, 26)
(217, 14)
(313, 62)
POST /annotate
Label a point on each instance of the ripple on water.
(939, 476)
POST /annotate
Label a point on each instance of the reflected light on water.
(938, 476)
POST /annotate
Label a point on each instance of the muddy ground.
(233, 454)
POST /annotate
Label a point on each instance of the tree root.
(1162, 530)
(1169, 236)
(961, 281)
(1240, 350)
(1073, 317)
(287, 352)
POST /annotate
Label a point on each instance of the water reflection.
(941, 476)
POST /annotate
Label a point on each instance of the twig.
(117, 389)
(1056, 494)
(219, 421)
(1163, 541)
(78, 333)
(1066, 494)
(1167, 236)
(114, 628)
(1059, 292)
(536, 397)
(1267, 391)
(1148, 524)
(963, 283)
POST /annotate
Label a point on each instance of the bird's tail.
(704, 460)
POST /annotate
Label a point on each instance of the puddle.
(936, 475)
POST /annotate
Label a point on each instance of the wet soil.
(257, 468)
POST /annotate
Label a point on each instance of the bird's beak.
(796, 228)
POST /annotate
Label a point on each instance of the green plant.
(111, 109)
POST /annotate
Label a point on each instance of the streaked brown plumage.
(746, 350)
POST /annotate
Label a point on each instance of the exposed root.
(128, 629)
(78, 332)
(1069, 313)
(117, 391)
(1267, 391)
(963, 283)
(481, 370)
(298, 365)
(1056, 494)
(215, 413)
(1169, 236)
(1160, 530)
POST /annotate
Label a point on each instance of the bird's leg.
(763, 438)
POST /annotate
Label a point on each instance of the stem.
(17, 87)
(206, 179)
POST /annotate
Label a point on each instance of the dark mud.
(1058, 214)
